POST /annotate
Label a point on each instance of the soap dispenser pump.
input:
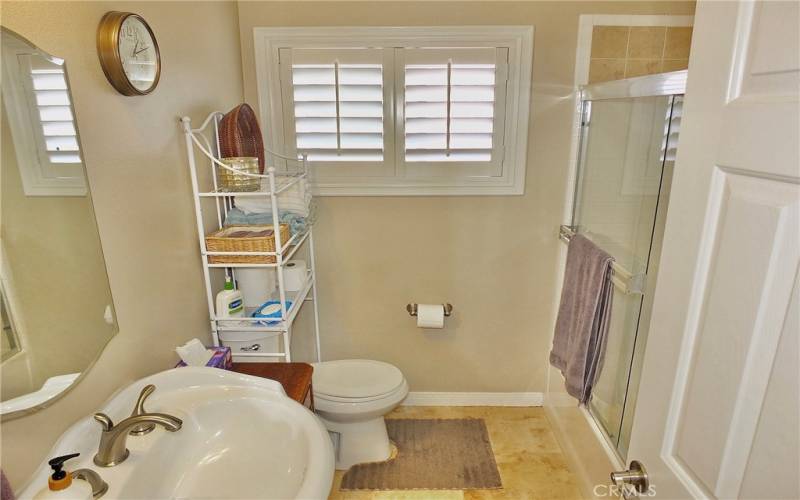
(59, 484)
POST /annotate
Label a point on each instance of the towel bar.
(627, 282)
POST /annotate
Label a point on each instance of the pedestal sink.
(242, 437)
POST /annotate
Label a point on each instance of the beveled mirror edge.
(13, 415)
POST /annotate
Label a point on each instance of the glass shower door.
(619, 204)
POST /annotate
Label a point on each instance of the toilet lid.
(355, 378)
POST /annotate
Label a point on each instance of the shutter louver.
(672, 130)
(338, 111)
(55, 112)
(449, 111)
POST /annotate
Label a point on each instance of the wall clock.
(128, 53)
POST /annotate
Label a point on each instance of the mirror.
(55, 300)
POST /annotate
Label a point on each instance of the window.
(37, 103)
(52, 108)
(405, 111)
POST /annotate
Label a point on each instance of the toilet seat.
(327, 397)
(356, 380)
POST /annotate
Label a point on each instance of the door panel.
(777, 434)
(752, 235)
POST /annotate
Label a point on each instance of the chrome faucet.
(113, 450)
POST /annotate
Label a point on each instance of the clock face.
(138, 53)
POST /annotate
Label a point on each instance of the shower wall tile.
(646, 42)
(642, 67)
(674, 65)
(678, 42)
(609, 41)
(629, 51)
(603, 70)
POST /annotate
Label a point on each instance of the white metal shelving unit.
(205, 139)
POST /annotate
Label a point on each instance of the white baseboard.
(474, 399)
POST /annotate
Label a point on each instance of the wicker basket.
(234, 181)
(240, 135)
(244, 239)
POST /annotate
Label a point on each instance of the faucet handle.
(146, 392)
(141, 430)
(105, 421)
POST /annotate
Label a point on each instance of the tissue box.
(221, 359)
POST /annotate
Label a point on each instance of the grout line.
(627, 48)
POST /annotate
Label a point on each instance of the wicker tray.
(244, 239)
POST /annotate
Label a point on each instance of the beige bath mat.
(432, 454)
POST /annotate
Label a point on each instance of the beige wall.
(494, 258)
(137, 170)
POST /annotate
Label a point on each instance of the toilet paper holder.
(412, 309)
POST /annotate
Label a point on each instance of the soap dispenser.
(60, 485)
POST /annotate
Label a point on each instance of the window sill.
(396, 187)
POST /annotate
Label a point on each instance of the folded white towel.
(296, 199)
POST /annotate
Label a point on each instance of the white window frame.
(518, 40)
(39, 176)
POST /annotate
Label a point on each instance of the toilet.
(351, 396)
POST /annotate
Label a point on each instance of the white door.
(717, 413)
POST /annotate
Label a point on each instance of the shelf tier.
(298, 299)
(287, 252)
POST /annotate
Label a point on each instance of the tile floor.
(528, 457)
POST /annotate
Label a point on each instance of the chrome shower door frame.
(664, 84)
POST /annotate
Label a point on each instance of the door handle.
(635, 477)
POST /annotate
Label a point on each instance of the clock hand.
(140, 50)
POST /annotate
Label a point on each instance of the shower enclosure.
(629, 132)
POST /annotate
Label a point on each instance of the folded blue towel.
(237, 217)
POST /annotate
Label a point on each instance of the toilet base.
(359, 442)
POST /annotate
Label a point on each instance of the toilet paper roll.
(430, 316)
(256, 285)
(295, 273)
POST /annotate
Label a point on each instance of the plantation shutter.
(336, 104)
(453, 110)
(53, 111)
